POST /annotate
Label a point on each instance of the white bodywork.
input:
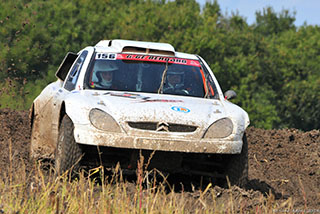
(124, 107)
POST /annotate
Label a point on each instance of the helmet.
(176, 73)
(104, 65)
(101, 66)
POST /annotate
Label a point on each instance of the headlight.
(102, 120)
(219, 129)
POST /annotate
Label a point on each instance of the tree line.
(273, 65)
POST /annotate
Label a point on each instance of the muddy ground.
(284, 162)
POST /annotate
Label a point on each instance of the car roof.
(140, 47)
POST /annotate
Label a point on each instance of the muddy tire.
(68, 152)
(237, 170)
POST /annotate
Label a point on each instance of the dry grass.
(40, 191)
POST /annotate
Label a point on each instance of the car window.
(74, 73)
(151, 74)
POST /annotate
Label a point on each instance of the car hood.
(143, 107)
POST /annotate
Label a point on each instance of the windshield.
(150, 74)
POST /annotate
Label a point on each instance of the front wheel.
(68, 153)
(237, 169)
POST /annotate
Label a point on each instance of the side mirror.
(230, 94)
(66, 65)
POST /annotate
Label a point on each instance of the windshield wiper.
(164, 73)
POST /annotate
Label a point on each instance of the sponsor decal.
(126, 95)
(150, 100)
(180, 109)
(140, 98)
(146, 58)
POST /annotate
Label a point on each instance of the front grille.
(162, 127)
(143, 125)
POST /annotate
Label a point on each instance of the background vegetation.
(273, 65)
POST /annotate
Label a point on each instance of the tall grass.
(36, 190)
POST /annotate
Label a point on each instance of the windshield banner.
(148, 58)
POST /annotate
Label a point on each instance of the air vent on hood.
(162, 127)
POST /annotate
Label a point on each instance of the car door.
(69, 85)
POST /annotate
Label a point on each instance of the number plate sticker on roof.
(108, 56)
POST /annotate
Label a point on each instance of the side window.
(74, 73)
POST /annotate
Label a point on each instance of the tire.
(68, 153)
(237, 170)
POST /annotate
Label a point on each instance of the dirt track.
(283, 162)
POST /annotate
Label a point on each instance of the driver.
(174, 83)
(104, 72)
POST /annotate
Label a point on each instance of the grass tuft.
(34, 190)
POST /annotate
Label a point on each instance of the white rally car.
(121, 98)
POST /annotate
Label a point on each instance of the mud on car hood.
(144, 107)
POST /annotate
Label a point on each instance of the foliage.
(273, 65)
(268, 22)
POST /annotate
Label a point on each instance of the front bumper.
(86, 134)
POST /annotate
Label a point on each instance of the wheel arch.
(31, 115)
(62, 113)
